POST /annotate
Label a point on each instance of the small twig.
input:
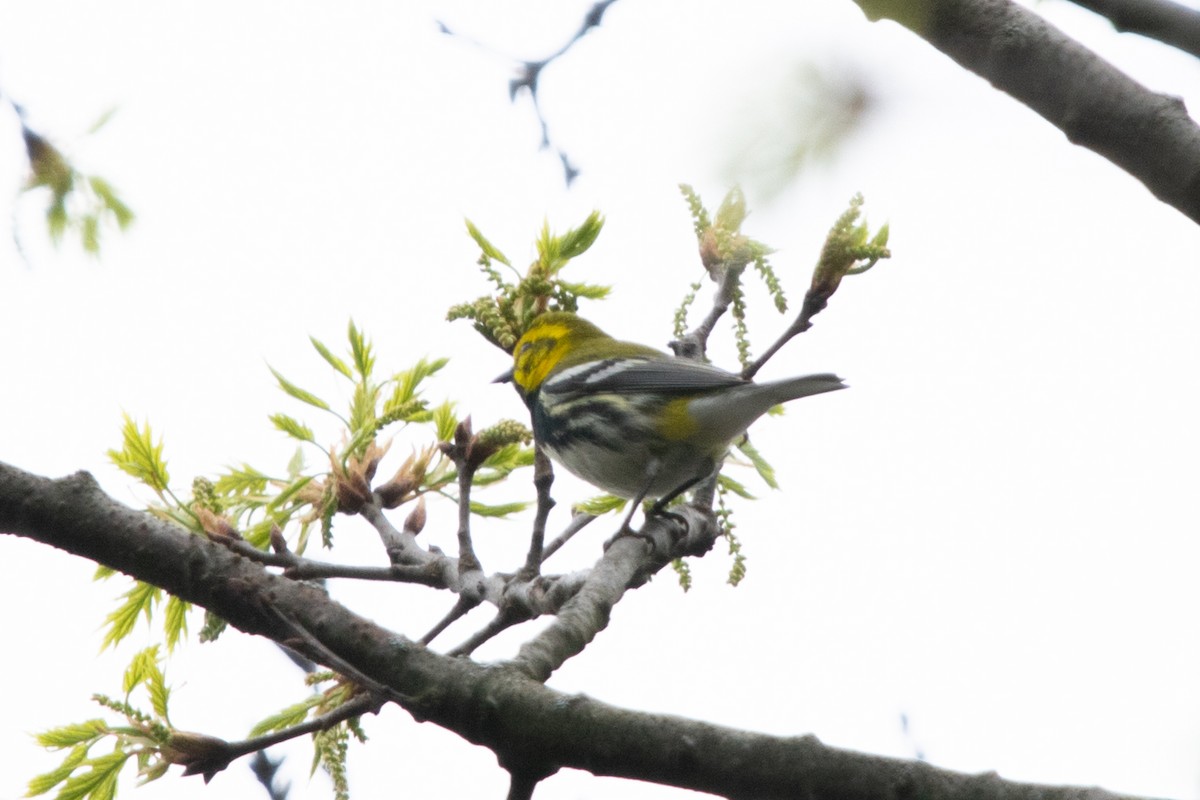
(814, 303)
(503, 620)
(1171, 23)
(301, 568)
(577, 523)
(467, 560)
(460, 609)
(694, 343)
(543, 479)
(227, 752)
(316, 649)
(401, 547)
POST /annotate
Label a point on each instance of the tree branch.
(1147, 134)
(532, 729)
(1170, 23)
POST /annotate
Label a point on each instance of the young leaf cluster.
(501, 317)
(146, 738)
(850, 249)
(725, 252)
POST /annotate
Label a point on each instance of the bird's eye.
(525, 347)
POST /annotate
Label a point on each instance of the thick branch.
(532, 729)
(1149, 135)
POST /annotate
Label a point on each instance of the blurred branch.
(530, 73)
(1147, 134)
(1170, 23)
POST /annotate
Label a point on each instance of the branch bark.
(533, 730)
(1147, 134)
(1170, 23)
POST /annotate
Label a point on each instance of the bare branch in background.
(1147, 134)
(1170, 23)
(529, 74)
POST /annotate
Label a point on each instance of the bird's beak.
(505, 378)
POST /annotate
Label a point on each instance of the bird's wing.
(641, 375)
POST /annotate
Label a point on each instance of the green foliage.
(145, 737)
(76, 200)
(139, 601)
(725, 252)
(503, 315)
(849, 249)
(599, 505)
(765, 470)
(737, 570)
(683, 572)
(140, 457)
(329, 745)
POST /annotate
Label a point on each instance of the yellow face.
(537, 352)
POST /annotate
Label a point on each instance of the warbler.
(631, 420)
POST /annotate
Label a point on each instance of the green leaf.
(489, 250)
(298, 393)
(47, 781)
(98, 783)
(730, 485)
(102, 120)
(140, 457)
(332, 359)
(241, 480)
(287, 717)
(282, 499)
(410, 379)
(293, 427)
(143, 664)
(71, 735)
(89, 232)
(138, 600)
(156, 685)
(600, 504)
(575, 242)
(122, 213)
(364, 359)
(510, 457)
(175, 620)
(445, 421)
(56, 219)
(295, 464)
(502, 510)
(362, 409)
(765, 470)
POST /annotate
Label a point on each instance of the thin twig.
(577, 523)
(301, 568)
(505, 619)
(543, 478)
(814, 303)
(460, 609)
(1171, 23)
(229, 751)
(467, 560)
(316, 649)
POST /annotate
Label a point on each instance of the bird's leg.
(626, 529)
(658, 509)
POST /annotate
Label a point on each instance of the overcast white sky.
(994, 532)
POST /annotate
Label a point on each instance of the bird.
(631, 420)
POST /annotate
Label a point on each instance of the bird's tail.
(803, 386)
